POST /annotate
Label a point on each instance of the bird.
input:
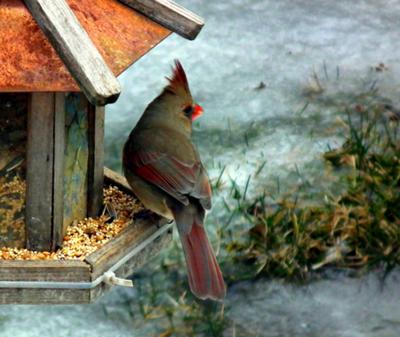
(165, 172)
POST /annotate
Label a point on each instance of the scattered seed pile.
(85, 236)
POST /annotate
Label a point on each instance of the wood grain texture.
(31, 270)
(170, 15)
(96, 160)
(53, 271)
(145, 255)
(135, 262)
(76, 50)
(112, 177)
(59, 146)
(43, 296)
(39, 172)
(105, 257)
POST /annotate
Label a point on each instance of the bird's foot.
(146, 214)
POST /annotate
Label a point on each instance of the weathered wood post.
(43, 174)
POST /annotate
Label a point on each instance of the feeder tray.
(83, 280)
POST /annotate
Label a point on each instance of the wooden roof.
(28, 61)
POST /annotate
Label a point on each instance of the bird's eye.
(188, 111)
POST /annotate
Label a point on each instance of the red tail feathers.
(205, 277)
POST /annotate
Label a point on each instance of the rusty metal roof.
(29, 63)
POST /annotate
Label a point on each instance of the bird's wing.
(173, 176)
(202, 188)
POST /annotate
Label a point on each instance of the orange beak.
(197, 112)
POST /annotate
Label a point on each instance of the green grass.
(358, 228)
(174, 311)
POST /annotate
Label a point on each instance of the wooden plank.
(44, 296)
(105, 257)
(76, 50)
(96, 160)
(170, 15)
(144, 256)
(39, 172)
(43, 270)
(113, 178)
(59, 147)
(135, 262)
(48, 271)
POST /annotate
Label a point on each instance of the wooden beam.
(59, 154)
(44, 210)
(43, 296)
(170, 15)
(96, 160)
(76, 50)
(53, 271)
(39, 171)
(44, 270)
(112, 177)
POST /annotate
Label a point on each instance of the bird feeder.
(58, 65)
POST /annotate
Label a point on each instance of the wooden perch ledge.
(76, 50)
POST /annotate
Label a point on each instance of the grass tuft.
(359, 228)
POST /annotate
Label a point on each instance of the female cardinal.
(164, 170)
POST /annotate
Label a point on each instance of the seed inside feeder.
(84, 236)
(12, 206)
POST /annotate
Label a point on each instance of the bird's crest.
(178, 81)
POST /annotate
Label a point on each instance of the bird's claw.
(148, 215)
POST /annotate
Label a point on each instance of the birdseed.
(85, 236)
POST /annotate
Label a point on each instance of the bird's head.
(175, 104)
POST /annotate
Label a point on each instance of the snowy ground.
(246, 42)
(339, 307)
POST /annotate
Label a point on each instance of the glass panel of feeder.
(13, 133)
(76, 158)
